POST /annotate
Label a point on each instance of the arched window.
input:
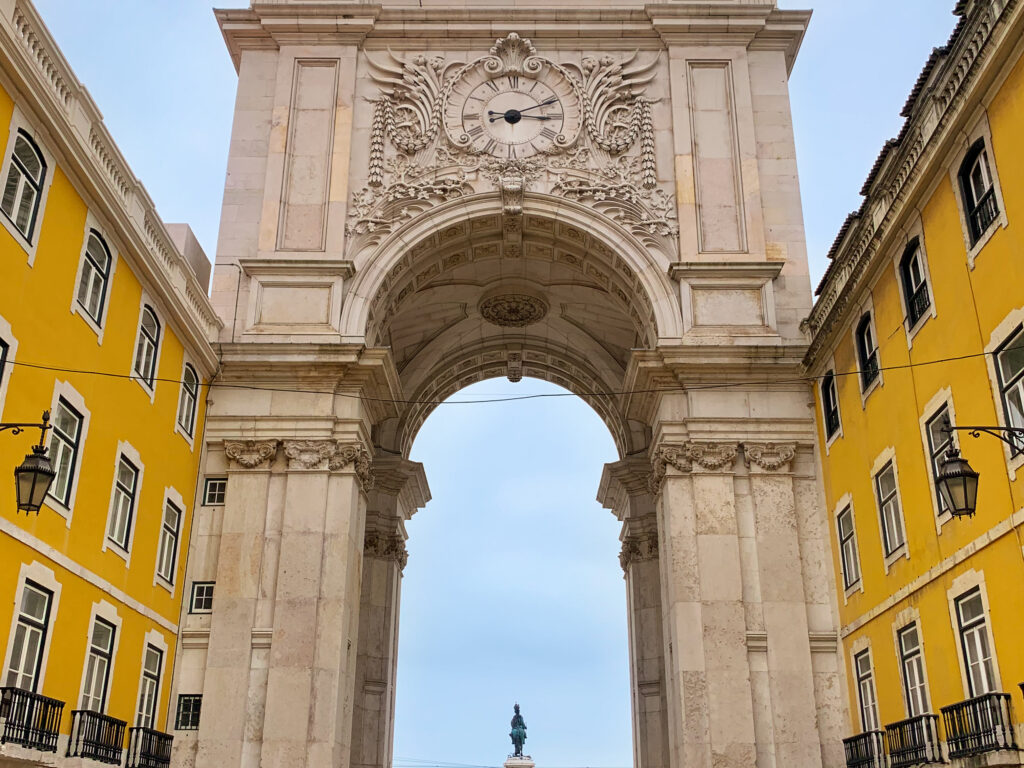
(23, 185)
(188, 399)
(147, 346)
(830, 404)
(915, 284)
(867, 352)
(978, 191)
(92, 287)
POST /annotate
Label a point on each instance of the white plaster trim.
(915, 229)
(866, 307)
(7, 334)
(859, 646)
(962, 584)
(981, 130)
(127, 450)
(190, 439)
(20, 121)
(76, 309)
(69, 393)
(996, 532)
(170, 495)
(108, 613)
(65, 562)
(858, 586)
(46, 578)
(145, 301)
(903, 620)
(943, 397)
(886, 456)
(999, 336)
(157, 640)
(835, 382)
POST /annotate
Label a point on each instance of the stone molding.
(358, 456)
(250, 454)
(637, 548)
(770, 457)
(385, 546)
(309, 454)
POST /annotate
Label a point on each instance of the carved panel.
(250, 454)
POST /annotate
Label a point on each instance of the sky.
(513, 590)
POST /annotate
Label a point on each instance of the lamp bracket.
(1006, 434)
(17, 427)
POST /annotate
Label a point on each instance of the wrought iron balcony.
(914, 741)
(96, 736)
(919, 303)
(983, 214)
(31, 720)
(981, 724)
(148, 748)
(865, 750)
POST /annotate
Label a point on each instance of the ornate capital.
(354, 454)
(309, 454)
(637, 548)
(666, 456)
(386, 547)
(769, 456)
(250, 454)
(712, 455)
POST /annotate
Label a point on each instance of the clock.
(513, 116)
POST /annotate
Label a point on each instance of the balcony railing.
(869, 370)
(31, 720)
(919, 303)
(96, 736)
(914, 741)
(865, 750)
(148, 748)
(983, 214)
(981, 724)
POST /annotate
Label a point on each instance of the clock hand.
(536, 117)
(503, 116)
(550, 101)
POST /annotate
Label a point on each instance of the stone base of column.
(520, 762)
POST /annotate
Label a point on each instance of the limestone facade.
(425, 195)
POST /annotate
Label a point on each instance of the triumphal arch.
(422, 194)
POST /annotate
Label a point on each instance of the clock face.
(513, 116)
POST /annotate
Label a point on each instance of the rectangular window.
(146, 715)
(866, 691)
(889, 509)
(64, 449)
(189, 707)
(168, 553)
(123, 504)
(830, 404)
(976, 644)
(1010, 364)
(939, 441)
(29, 638)
(215, 490)
(912, 662)
(848, 548)
(97, 666)
(202, 597)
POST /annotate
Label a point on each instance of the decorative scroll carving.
(309, 454)
(356, 455)
(712, 455)
(386, 547)
(664, 457)
(637, 548)
(513, 310)
(706, 455)
(250, 454)
(769, 456)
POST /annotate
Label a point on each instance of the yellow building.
(104, 322)
(919, 326)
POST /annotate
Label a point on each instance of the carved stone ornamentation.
(637, 548)
(770, 457)
(513, 310)
(666, 456)
(309, 454)
(386, 547)
(250, 454)
(712, 455)
(354, 454)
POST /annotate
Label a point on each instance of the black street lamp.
(33, 477)
(957, 480)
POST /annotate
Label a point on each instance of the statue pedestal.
(520, 762)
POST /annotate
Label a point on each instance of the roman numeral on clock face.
(513, 81)
(489, 146)
(492, 85)
(548, 134)
(475, 131)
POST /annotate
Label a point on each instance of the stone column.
(400, 490)
(625, 490)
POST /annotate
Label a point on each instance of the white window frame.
(887, 457)
(189, 437)
(108, 612)
(38, 573)
(63, 389)
(93, 673)
(127, 451)
(829, 439)
(206, 491)
(866, 309)
(8, 337)
(92, 225)
(981, 130)
(192, 597)
(19, 121)
(907, 616)
(915, 232)
(999, 337)
(963, 584)
(870, 679)
(846, 502)
(915, 696)
(942, 398)
(171, 496)
(149, 390)
(156, 640)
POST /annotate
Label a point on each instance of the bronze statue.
(518, 733)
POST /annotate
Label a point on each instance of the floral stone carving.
(309, 454)
(637, 548)
(513, 310)
(769, 456)
(250, 454)
(386, 547)
(356, 455)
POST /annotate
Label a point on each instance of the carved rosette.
(356, 456)
(637, 548)
(666, 456)
(250, 454)
(513, 310)
(386, 547)
(771, 457)
(712, 456)
(309, 454)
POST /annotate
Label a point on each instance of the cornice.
(908, 164)
(48, 87)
